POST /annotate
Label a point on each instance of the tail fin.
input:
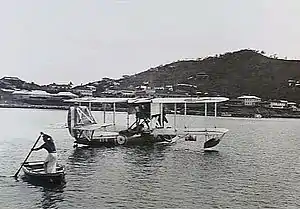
(79, 116)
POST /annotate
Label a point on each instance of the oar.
(16, 175)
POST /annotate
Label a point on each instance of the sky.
(59, 41)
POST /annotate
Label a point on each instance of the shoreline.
(47, 107)
(28, 106)
(66, 107)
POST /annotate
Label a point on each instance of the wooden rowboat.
(35, 173)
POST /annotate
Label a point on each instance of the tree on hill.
(231, 74)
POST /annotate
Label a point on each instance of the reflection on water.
(143, 155)
(256, 165)
(84, 154)
(52, 197)
(211, 152)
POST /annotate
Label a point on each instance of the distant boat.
(257, 115)
(35, 174)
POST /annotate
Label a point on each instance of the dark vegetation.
(245, 72)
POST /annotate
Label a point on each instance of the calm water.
(257, 166)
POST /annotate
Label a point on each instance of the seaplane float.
(149, 124)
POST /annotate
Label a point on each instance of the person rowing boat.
(51, 160)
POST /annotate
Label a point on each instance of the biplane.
(149, 126)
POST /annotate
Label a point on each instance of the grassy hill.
(230, 74)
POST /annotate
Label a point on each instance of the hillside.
(244, 72)
(16, 83)
(230, 74)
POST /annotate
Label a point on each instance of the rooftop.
(248, 97)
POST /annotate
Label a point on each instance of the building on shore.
(250, 100)
(35, 96)
(84, 91)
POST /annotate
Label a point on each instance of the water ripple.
(256, 165)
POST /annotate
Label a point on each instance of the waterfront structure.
(84, 91)
(250, 100)
(278, 104)
(40, 97)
